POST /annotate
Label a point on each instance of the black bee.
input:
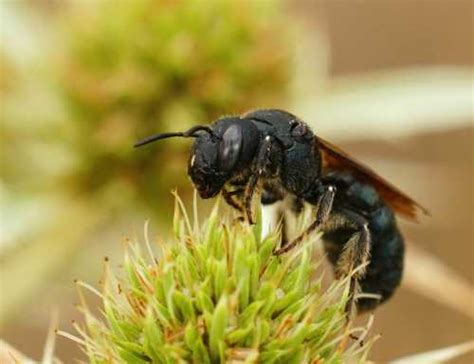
(278, 152)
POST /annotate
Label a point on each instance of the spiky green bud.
(215, 293)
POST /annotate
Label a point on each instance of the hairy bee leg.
(324, 209)
(229, 197)
(284, 229)
(355, 253)
(259, 169)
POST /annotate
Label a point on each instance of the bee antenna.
(191, 133)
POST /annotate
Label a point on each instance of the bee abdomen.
(384, 272)
(385, 268)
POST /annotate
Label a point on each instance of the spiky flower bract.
(215, 293)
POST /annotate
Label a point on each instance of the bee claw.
(238, 220)
(279, 251)
(356, 338)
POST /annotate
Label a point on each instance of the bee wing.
(336, 159)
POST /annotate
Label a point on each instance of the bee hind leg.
(355, 252)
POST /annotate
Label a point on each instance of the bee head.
(213, 159)
(214, 155)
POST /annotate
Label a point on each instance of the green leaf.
(191, 335)
(204, 302)
(218, 327)
(152, 336)
(249, 314)
(132, 357)
(237, 337)
(185, 306)
(220, 277)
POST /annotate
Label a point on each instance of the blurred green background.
(81, 81)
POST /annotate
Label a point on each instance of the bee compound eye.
(230, 147)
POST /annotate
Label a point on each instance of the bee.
(275, 152)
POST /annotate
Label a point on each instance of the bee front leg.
(233, 198)
(260, 165)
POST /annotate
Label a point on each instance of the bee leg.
(259, 169)
(284, 229)
(232, 198)
(325, 202)
(354, 254)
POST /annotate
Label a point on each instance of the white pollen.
(192, 159)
